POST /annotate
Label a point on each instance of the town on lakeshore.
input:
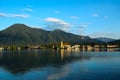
(63, 45)
(22, 37)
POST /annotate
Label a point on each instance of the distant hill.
(20, 34)
(115, 42)
(106, 40)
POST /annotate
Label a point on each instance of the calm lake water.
(59, 65)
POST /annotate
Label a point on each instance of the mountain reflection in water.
(20, 62)
(60, 65)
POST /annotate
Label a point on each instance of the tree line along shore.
(61, 45)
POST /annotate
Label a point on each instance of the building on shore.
(65, 45)
(1, 48)
(112, 46)
(75, 46)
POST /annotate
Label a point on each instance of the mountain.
(106, 40)
(20, 34)
(115, 42)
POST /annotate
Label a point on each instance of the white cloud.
(82, 26)
(19, 15)
(79, 29)
(95, 15)
(74, 17)
(58, 21)
(55, 23)
(27, 9)
(3, 15)
(104, 34)
(15, 15)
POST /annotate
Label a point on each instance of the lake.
(60, 65)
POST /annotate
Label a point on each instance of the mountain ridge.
(106, 40)
(18, 34)
(115, 42)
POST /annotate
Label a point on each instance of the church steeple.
(62, 44)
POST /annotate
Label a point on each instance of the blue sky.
(94, 18)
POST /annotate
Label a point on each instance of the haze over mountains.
(20, 34)
(106, 40)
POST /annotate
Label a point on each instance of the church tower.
(62, 44)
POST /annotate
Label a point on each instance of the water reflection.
(71, 64)
(113, 49)
(20, 62)
(99, 49)
(60, 74)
